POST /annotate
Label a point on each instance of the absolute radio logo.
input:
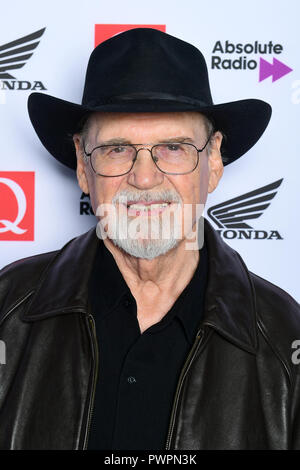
(13, 56)
(106, 31)
(245, 56)
(85, 206)
(17, 205)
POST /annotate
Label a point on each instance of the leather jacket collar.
(230, 306)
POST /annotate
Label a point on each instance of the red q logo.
(17, 205)
(106, 31)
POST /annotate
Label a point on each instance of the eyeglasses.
(171, 158)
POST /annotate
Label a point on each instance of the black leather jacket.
(238, 389)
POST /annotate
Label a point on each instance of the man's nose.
(145, 173)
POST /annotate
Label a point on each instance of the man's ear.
(215, 162)
(81, 166)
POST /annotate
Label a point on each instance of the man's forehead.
(140, 116)
(104, 120)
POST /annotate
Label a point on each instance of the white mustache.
(165, 195)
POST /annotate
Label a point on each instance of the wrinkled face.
(145, 180)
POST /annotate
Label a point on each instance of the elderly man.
(141, 337)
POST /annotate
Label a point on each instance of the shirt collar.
(192, 303)
(107, 285)
(108, 288)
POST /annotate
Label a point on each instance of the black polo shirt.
(138, 373)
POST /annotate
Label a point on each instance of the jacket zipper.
(92, 330)
(183, 373)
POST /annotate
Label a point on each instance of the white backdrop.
(59, 62)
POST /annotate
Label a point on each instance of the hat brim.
(56, 120)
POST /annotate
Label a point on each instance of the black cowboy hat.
(146, 70)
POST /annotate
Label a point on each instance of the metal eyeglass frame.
(153, 157)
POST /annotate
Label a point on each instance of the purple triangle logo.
(276, 70)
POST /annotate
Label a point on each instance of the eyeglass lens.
(117, 159)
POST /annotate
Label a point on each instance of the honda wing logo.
(15, 57)
(232, 217)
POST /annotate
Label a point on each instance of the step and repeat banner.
(252, 51)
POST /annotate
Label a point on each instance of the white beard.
(144, 236)
(139, 242)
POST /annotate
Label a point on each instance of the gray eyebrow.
(177, 139)
(120, 140)
(115, 140)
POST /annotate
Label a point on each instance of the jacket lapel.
(63, 286)
(230, 305)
